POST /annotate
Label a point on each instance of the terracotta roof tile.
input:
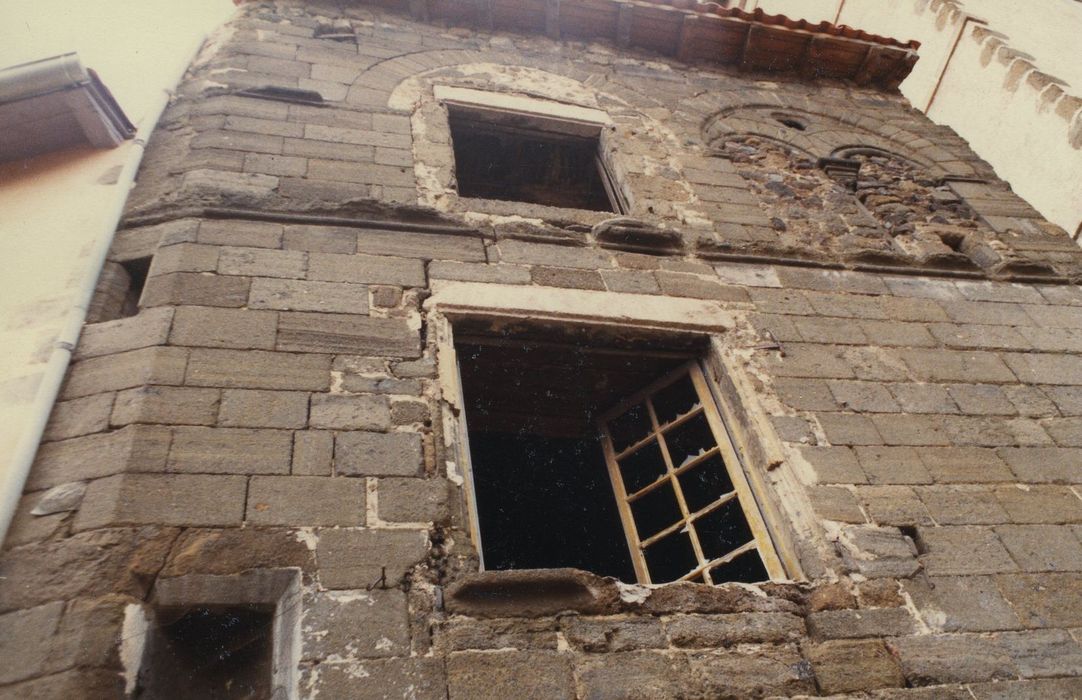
(692, 31)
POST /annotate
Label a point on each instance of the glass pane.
(722, 530)
(642, 467)
(689, 440)
(656, 511)
(670, 558)
(675, 400)
(747, 568)
(705, 483)
(630, 427)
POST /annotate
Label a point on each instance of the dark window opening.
(521, 159)
(213, 652)
(606, 455)
(137, 281)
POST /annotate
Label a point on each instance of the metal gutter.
(13, 480)
(41, 77)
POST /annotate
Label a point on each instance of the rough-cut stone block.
(630, 281)
(426, 246)
(949, 366)
(413, 500)
(463, 633)
(608, 634)
(963, 505)
(834, 465)
(245, 408)
(682, 285)
(166, 404)
(262, 262)
(183, 257)
(523, 252)
(1043, 653)
(337, 333)
(1046, 368)
(313, 453)
(1040, 504)
(849, 429)
(26, 638)
(708, 631)
(414, 678)
(259, 370)
(148, 327)
(852, 666)
(369, 624)
(301, 295)
(366, 269)
(75, 683)
(378, 454)
(89, 414)
(350, 412)
(247, 234)
(567, 277)
(503, 674)
(928, 660)
(892, 465)
(197, 289)
(1042, 547)
(749, 671)
(163, 499)
(964, 550)
(470, 272)
(321, 239)
(867, 397)
(223, 328)
(354, 558)
(136, 448)
(962, 603)
(306, 501)
(894, 505)
(635, 675)
(877, 552)
(852, 624)
(230, 451)
(964, 464)
(97, 375)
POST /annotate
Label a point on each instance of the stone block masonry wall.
(276, 404)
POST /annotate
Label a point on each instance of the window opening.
(609, 458)
(209, 651)
(530, 158)
(137, 275)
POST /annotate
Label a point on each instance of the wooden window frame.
(771, 528)
(762, 541)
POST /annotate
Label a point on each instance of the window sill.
(546, 592)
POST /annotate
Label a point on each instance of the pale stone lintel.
(578, 305)
(518, 103)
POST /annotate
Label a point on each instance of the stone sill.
(546, 592)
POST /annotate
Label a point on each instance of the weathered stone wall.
(277, 404)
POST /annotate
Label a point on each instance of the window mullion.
(671, 469)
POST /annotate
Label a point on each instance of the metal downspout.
(13, 480)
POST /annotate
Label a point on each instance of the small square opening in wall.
(216, 637)
(527, 157)
(210, 651)
(606, 454)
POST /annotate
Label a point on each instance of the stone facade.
(900, 343)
